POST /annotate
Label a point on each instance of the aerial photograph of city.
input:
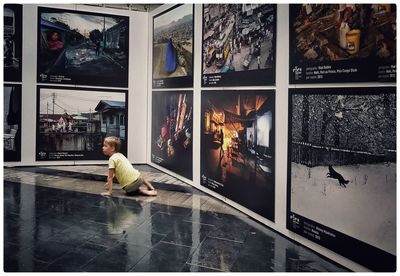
(238, 37)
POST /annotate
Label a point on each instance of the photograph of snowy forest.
(342, 161)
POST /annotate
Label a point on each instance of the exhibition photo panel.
(12, 42)
(238, 147)
(73, 122)
(172, 131)
(239, 45)
(336, 43)
(12, 122)
(173, 47)
(84, 48)
(342, 171)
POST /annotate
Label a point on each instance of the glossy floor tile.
(56, 221)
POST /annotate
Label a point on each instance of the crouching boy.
(119, 166)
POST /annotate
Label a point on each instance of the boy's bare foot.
(147, 192)
(106, 194)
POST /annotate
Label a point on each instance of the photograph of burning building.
(239, 42)
(342, 43)
(238, 147)
(172, 131)
(83, 48)
(73, 122)
(12, 42)
(173, 47)
(12, 122)
(342, 171)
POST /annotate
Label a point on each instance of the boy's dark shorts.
(134, 186)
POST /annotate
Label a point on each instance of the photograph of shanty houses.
(237, 37)
(238, 147)
(73, 123)
(82, 48)
(239, 42)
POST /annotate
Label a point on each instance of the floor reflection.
(63, 230)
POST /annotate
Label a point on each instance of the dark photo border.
(96, 154)
(173, 82)
(350, 177)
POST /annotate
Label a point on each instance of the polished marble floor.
(56, 221)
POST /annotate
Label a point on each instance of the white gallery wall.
(137, 85)
(281, 122)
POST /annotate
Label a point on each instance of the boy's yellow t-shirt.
(124, 171)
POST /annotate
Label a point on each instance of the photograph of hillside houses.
(72, 124)
(173, 46)
(82, 48)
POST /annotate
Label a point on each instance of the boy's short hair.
(114, 142)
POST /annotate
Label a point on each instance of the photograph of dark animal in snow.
(342, 163)
(76, 47)
(334, 174)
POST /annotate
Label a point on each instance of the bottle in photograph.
(353, 41)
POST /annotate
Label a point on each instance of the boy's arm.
(109, 183)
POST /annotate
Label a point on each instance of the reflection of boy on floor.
(128, 177)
